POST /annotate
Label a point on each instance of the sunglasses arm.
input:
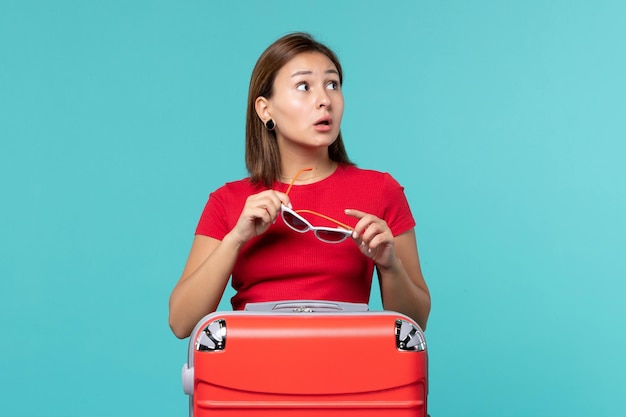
(315, 213)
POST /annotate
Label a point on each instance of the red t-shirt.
(283, 264)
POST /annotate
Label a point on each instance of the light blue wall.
(504, 120)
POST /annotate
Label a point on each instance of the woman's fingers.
(373, 237)
(369, 227)
(259, 213)
(271, 200)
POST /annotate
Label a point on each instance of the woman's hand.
(258, 214)
(374, 238)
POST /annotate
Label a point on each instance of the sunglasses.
(296, 222)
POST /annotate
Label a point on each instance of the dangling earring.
(270, 125)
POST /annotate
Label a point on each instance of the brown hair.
(262, 153)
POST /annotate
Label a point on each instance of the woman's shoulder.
(243, 186)
(352, 172)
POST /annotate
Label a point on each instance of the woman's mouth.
(324, 124)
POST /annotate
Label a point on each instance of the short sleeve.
(397, 212)
(213, 221)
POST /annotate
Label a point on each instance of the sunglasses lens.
(330, 236)
(294, 222)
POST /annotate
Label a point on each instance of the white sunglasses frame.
(345, 232)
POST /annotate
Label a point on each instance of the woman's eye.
(302, 87)
(333, 85)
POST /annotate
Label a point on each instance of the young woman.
(306, 223)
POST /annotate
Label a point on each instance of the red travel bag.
(306, 358)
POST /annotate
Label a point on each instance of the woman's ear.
(261, 105)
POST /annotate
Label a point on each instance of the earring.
(270, 125)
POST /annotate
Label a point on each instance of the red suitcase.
(306, 358)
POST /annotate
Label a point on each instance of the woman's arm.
(202, 283)
(402, 284)
(211, 261)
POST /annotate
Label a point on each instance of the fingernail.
(355, 235)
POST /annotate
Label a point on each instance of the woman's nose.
(323, 99)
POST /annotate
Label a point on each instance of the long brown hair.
(262, 153)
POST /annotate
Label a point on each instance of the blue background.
(504, 120)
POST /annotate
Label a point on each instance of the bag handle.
(307, 306)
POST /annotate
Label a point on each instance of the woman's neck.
(319, 171)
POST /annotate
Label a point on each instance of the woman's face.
(307, 102)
